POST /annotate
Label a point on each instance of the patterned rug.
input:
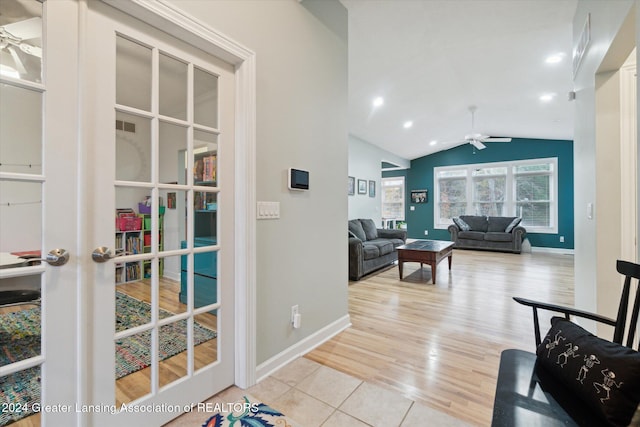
(20, 340)
(248, 412)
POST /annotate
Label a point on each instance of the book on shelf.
(209, 168)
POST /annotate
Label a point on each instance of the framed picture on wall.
(372, 189)
(419, 196)
(362, 186)
(351, 188)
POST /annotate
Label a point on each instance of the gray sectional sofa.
(494, 233)
(371, 248)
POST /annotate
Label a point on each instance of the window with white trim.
(393, 198)
(524, 188)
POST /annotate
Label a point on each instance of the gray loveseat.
(371, 248)
(495, 233)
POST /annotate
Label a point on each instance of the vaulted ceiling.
(432, 59)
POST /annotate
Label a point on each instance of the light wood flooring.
(440, 345)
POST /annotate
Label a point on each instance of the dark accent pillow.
(463, 226)
(476, 222)
(513, 225)
(356, 228)
(603, 374)
(370, 229)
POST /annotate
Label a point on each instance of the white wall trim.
(545, 250)
(628, 161)
(175, 22)
(302, 347)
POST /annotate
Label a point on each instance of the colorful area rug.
(20, 340)
(132, 353)
(248, 412)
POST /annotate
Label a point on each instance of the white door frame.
(184, 27)
(629, 160)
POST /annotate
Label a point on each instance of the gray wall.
(607, 18)
(365, 161)
(301, 123)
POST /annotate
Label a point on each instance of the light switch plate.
(268, 210)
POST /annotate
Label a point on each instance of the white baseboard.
(302, 347)
(561, 251)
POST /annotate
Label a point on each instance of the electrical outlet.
(426, 232)
(561, 239)
(294, 312)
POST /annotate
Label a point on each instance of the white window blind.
(525, 188)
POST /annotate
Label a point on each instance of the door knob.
(55, 257)
(103, 254)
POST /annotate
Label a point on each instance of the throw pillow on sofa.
(603, 374)
(463, 226)
(513, 225)
(356, 228)
(370, 229)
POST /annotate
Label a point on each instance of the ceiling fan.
(13, 36)
(477, 139)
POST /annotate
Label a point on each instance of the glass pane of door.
(21, 195)
(133, 74)
(21, 33)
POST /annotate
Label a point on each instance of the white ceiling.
(432, 59)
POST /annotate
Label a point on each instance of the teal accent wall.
(420, 176)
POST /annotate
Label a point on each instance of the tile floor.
(314, 395)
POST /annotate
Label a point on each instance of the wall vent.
(125, 126)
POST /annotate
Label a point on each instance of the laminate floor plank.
(440, 344)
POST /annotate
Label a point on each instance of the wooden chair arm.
(567, 311)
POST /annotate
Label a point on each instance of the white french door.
(159, 135)
(38, 128)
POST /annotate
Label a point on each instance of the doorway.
(77, 215)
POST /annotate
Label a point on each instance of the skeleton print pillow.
(605, 375)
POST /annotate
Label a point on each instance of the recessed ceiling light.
(555, 58)
(378, 101)
(547, 97)
(407, 124)
(434, 142)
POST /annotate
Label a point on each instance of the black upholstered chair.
(528, 394)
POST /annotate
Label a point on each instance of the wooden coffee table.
(425, 252)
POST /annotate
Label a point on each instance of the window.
(452, 186)
(533, 194)
(524, 188)
(393, 198)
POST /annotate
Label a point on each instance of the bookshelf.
(134, 237)
(146, 243)
(205, 205)
(129, 242)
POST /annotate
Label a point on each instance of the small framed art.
(351, 188)
(372, 189)
(419, 196)
(362, 186)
